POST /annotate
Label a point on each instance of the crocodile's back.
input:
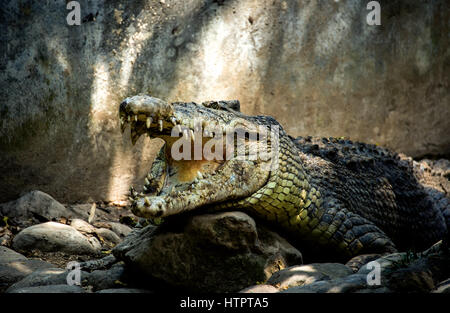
(375, 184)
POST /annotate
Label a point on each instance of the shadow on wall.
(316, 66)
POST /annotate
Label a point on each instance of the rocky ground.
(222, 252)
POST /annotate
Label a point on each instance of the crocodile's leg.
(341, 229)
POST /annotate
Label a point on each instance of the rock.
(15, 270)
(263, 288)
(406, 272)
(221, 252)
(120, 229)
(8, 255)
(307, 274)
(115, 277)
(351, 283)
(82, 226)
(411, 280)
(36, 206)
(443, 287)
(108, 235)
(386, 262)
(44, 277)
(124, 290)
(374, 290)
(49, 289)
(320, 286)
(52, 237)
(100, 264)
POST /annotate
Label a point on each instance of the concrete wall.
(316, 66)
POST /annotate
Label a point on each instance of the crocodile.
(338, 196)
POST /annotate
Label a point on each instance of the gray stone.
(329, 74)
(213, 252)
(49, 289)
(53, 237)
(36, 206)
(443, 287)
(307, 274)
(120, 229)
(46, 277)
(374, 290)
(321, 286)
(351, 283)
(8, 255)
(15, 270)
(99, 264)
(124, 290)
(411, 280)
(386, 263)
(42, 277)
(114, 277)
(108, 235)
(263, 288)
(82, 226)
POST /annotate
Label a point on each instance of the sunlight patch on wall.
(137, 35)
(218, 69)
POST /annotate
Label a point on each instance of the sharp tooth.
(195, 180)
(173, 120)
(129, 118)
(192, 135)
(199, 175)
(160, 125)
(145, 189)
(147, 200)
(131, 199)
(147, 181)
(148, 121)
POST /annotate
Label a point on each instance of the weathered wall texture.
(316, 66)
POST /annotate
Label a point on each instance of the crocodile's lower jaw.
(168, 176)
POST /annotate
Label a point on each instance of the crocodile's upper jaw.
(175, 185)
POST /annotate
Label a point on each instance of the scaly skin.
(352, 198)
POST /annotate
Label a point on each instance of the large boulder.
(35, 206)
(49, 289)
(307, 274)
(8, 255)
(54, 237)
(223, 252)
(42, 277)
(14, 270)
